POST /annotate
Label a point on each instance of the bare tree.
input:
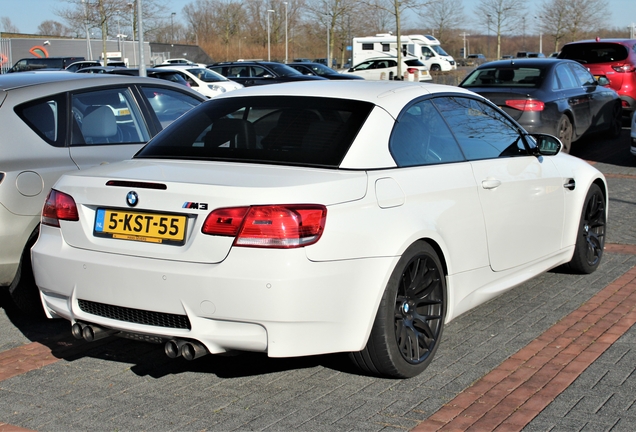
(505, 14)
(332, 15)
(53, 28)
(444, 16)
(7, 25)
(570, 19)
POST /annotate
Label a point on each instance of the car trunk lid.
(188, 191)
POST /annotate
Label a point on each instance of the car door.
(577, 97)
(601, 98)
(112, 124)
(438, 185)
(366, 70)
(521, 195)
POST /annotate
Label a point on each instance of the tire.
(24, 292)
(590, 239)
(410, 319)
(435, 68)
(564, 132)
(616, 126)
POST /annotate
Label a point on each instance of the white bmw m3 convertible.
(316, 217)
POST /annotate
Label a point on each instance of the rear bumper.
(274, 301)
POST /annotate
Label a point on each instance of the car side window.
(481, 131)
(565, 77)
(259, 72)
(168, 104)
(422, 137)
(582, 74)
(109, 116)
(46, 117)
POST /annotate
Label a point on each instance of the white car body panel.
(323, 297)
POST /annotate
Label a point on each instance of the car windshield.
(283, 70)
(207, 75)
(439, 50)
(303, 131)
(320, 69)
(594, 52)
(505, 77)
(413, 62)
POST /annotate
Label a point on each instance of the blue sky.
(26, 15)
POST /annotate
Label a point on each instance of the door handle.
(570, 184)
(490, 183)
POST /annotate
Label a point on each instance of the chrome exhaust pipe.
(76, 330)
(193, 350)
(91, 332)
(172, 348)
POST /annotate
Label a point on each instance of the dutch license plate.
(140, 226)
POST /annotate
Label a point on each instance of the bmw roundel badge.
(132, 198)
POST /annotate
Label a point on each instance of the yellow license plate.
(140, 226)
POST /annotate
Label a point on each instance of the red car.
(612, 58)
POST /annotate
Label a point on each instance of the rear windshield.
(594, 52)
(414, 62)
(303, 131)
(505, 77)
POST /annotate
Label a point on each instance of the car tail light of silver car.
(59, 206)
(272, 226)
(525, 105)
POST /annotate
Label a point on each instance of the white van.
(425, 47)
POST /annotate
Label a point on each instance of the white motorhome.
(425, 47)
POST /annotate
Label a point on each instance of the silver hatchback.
(56, 122)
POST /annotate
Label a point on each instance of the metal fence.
(6, 60)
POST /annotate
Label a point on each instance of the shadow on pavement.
(149, 359)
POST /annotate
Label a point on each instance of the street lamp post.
(540, 35)
(286, 44)
(269, 55)
(132, 30)
(172, 25)
(488, 40)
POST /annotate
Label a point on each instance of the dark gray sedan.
(557, 97)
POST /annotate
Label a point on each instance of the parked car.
(385, 68)
(56, 122)
(74, 67)
(164, 74)
(530, 54)
(313, 218)
(250, 73)
(178, 61)
(159, 73)
(614, 59)
(205, 81)
(475, 60)
(319, 69)
(38, 63)
(558, 97)
(633, 136)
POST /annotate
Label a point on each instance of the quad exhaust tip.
(90, 332)
(190, 350)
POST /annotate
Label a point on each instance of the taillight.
(59, 206)
(272, 226)
(412, 70)
(525, 105)
(624, 68)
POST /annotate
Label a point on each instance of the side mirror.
(350, 70)
(547, 145)
(603, 81)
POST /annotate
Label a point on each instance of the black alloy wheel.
(410, 319)
(591, 234)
